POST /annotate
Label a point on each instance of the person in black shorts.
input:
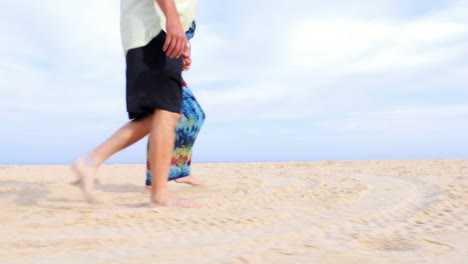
(154, 97)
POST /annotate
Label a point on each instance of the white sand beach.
(301, 212)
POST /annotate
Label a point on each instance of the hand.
(187, 61)
(176, 41)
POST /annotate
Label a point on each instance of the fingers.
(167, 42)
(187, 52)
(171, 47)
(179, 47)
(182, 46)
(174, 46)
(187, 60)
(187, 63)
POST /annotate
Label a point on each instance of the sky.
(279, 80)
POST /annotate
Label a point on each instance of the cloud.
(350, 46)
(328, 60)
(264, 71)
(62, 59)
(433, 121)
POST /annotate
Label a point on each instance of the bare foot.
(190, 180)
(187, 179)
(174, 201)
(85, 170)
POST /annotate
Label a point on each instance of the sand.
(304, 212)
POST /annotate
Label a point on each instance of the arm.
(176, 41)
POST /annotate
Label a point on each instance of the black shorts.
(154, 81)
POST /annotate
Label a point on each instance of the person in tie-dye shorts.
(188, 127)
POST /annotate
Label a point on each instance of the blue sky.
(279, 80)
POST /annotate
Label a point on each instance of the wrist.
(172, 18)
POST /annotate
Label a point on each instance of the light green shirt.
(142, 20)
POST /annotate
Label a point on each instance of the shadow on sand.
(29, 193)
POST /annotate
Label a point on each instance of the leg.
(195, 118)
(86, 166)
(162, 137)
(188, 127)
